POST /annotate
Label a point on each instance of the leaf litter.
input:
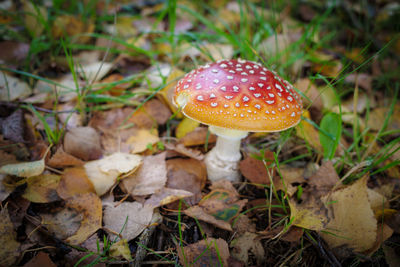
(126, 153)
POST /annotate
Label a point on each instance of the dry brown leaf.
(157, 110)
(12, 88)
(242, 245)
(41, 259)
(290, 175)
(198, 137)
(328, 66)
(12, 126)
(13, 53)
(8, 253)
(74, 181)
(4, 191)
(189, 175)
(165, 196)
(35, 17)
(256, 171)
(181, 149)
(42, 188)
(61, 159)
(119, 88)
(127, 218)
(89, 205)
(168, 91)
(219, 207)
(206, 252)
(69, 25)
(310, 90)
(83, 143)
(353, 222)
(149, 178)
(378, 115)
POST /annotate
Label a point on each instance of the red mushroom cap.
(240, 95)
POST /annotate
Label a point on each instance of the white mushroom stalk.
(223, 160)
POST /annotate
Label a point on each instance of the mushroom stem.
(223, 160)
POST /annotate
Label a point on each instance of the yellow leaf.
(168, 91)
(186, 126)
(307, 132)
(35, 18)
(121, 249)
(353, 223)
(142, 139)
(311, 217)
(42, 188)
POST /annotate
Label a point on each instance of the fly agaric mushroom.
(235, 97)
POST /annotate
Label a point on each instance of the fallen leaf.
(142, 139)
(61, 159)
(245, 243)
(199, 136)
(363, 80)
(74, 181)
(121, 249)
(189, 175)
(256, 171)
(8, 253)
(219, 207)
(156, 74)
(127, 218)
(119, 88)
(12, 126)
(89, 205)
(186, 126)
(353, 223)
(24, 169)
(307, 131)
(73, 27)
(181, 149)
(378, 115)
(310, 90)
(4, 191)
(103, 173)
(41, 259)
(35, 18)
(383, 233)
(149, 178)
(83, 143)
(42, 188)
(326, 65)
(290, 177)
(165, 196)
(13, 53)
(167, 92)
(12, 88)
(208, 252)
(157, 110)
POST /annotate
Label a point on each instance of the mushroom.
(235, 97)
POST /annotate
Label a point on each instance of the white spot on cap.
(223, 88)
(256, 66)
(257, 106)
(243, 73)
(214, 104)
(270, 101)
(212, 95)
(279, 87)
(234, 115)
(237, 105)
(238, 65)
(235, 88)
(245, 99)
(273, 112)
(214, 70)
(241, 60)
(263, 78)
(248, 67)
(239, 69)
(216, 81)
(267, 111)
(260, 84)
(262, 72)
(229, 77)
(186, 86)
(271, 95)
(232, 71)
(283, 108)
(269, 88)
(189, 81)
(226, 105)
(200, 98)
(290, 98)
(198, 86)
(223, 65)
(241, 115)
(228, 97)
(279, 94)
(251, 88)
(251, 71)
(293, 114)
(287, 106)
(257, 95)
(244, 80)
